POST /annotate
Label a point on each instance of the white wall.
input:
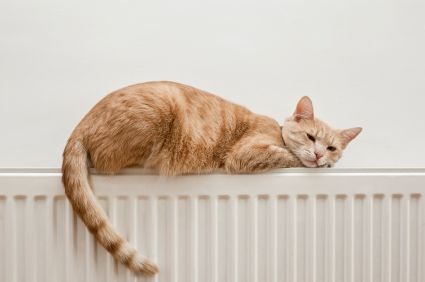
(362, 62)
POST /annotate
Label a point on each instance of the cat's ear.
(304, 109)
(349, 134)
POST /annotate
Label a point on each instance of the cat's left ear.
(304, 109)
(349, 134)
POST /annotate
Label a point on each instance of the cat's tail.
(85, 204)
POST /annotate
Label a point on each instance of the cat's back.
(160, 95)
(162, 104)
(166, 98)
(178, 96)
(202, 115)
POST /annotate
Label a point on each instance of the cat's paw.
(277, 149)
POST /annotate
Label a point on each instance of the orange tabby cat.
(177, 129)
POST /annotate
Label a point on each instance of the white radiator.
(293, 225)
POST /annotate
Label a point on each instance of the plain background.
(362, 62)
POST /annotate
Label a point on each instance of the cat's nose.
(318, 155)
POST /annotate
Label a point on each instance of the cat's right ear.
(347, 135)
(304, 109)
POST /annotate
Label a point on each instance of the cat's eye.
(311, 137)
(331, 148)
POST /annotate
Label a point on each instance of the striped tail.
(85, 204)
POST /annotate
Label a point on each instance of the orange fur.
(177, 129)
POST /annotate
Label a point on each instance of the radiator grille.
(259, 230)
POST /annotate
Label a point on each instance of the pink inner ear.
(304, 109)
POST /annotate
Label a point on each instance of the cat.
(177, 129)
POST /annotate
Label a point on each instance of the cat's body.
(177, 129)
(172, 128)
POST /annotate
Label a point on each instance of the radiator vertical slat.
(312, 244)
(321, 238)
(284, 238)
(387, 239)
(164, 235)
(396, 248)
(133, 232)
(294, 239)
(330, 239)
(341, 223)
(3, 237)
(349, 236)
(110, 262)
(20, 233)
(379, 243)
(302, 237)
(264, 238)
(50, 267)
(302, 261)
(3, 216)
(253, 240)
(364, 246)
(421, 236)
(405, 239)
(213, 247)
(234, 214)
(68, 242)
(205, 239)
(273, 246)
(11, 250)
(413, 245)
(123, 226)
(244, 236)
(184, 239)
(224, 244)
(30, 257)
(370, 236)
(360, 235)
(194, 238)
(174, 239)
(57, 229)
(154, 231)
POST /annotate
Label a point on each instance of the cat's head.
(313, 141)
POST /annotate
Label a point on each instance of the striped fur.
(177, 129)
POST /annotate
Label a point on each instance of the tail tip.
(150, 267)
(144, 266)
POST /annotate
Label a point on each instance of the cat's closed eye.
(311, 137)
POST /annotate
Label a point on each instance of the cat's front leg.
(259, 157)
